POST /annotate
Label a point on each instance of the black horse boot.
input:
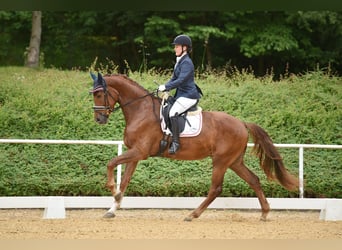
(175, 135)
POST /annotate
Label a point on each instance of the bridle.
(106, 106)
(108, 110)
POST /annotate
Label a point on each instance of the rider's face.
(178, 50)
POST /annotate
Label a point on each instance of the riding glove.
(161, 88)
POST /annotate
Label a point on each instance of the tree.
(32, 59)
(277, 42)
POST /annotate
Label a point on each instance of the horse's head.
(103, 105)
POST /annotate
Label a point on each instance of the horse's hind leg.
(253, 181)
(214, 191)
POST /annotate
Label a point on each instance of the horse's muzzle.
(101, 118)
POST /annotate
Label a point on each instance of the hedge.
(55, 104)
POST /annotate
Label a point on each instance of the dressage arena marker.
(54, 206)
(332, 210)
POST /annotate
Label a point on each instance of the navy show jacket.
(183, 79)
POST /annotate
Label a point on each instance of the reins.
(110, 110)
(130, 102)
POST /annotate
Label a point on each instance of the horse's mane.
(131, 81)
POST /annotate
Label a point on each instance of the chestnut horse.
(223, 137)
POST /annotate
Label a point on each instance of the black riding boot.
(175, 135)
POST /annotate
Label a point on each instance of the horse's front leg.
(110, 175)
(118, 194)
(130, 158)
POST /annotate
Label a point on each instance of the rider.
(187, 92)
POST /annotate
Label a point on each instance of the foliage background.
(273, 42)
(55, 104)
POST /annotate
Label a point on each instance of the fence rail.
(120, 146)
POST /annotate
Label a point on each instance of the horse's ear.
(99, 77)
(101, 81)
(93, 76)
(98, 83)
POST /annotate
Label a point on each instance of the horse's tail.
(270, 159)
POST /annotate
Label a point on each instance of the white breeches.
(181, 104)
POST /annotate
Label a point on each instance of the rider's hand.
(161, 88)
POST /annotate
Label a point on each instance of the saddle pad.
(194, 129)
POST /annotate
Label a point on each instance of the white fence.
(172, 202)
(120, 144)
(94, 142)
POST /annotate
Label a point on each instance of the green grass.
(54, 104)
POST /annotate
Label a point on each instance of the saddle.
(184, 118)
(189, 122)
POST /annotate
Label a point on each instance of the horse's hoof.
(262, 218)
(188, 218)
(109, 215)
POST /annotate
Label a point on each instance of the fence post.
(118, 169)
(301, 172)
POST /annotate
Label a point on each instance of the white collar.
(179, 57)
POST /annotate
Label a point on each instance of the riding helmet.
(183, 40)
